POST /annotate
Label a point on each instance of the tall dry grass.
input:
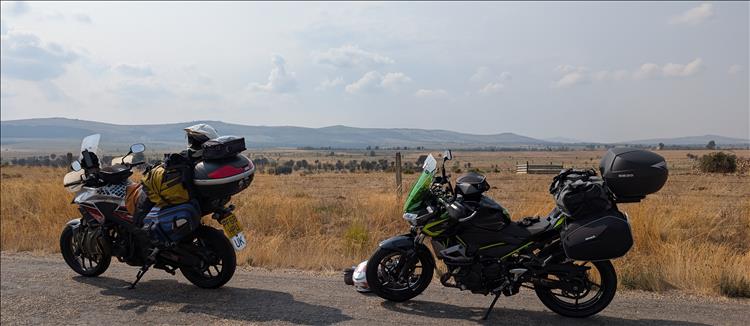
(692, 235)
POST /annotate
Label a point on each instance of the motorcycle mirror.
(76, 166)
(137, 148)
(447, 155)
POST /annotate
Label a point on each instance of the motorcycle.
(204, 255)
(487, 253)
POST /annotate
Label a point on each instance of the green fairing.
(416, 198)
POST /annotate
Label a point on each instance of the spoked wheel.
(82, 261)
(219, 261)
(584, 296)
(386, 279)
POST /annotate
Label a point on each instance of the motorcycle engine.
(478, 277)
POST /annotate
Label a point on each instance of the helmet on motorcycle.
(199, 134)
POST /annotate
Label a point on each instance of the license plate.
(233, 229)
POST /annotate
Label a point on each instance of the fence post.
(399, 187)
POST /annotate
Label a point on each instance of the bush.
(718, 162)
(734, 285)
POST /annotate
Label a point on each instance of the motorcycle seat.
(538, 227)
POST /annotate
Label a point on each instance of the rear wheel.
(82, 261)
(219, 262)
(385, 277)
(586, 296)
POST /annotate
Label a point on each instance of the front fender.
(404, 243)
(400, 243)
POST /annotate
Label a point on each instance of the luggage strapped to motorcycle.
(580, 192)
(169, 183)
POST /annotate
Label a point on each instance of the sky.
(593, 71)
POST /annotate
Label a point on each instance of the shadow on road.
(514, 316)
(252, 305)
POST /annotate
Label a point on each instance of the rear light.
(225, 171)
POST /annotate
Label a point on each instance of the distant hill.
(691, 140)
(564, 140)
(55, 133)
(58, 134)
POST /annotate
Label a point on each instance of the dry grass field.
(693, 235)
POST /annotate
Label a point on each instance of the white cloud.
(573, 75)
(330, 83)
(82, 18)
(18, 8)
(694, 15)
(646, 71)
(280, 80)
(493, 83)
(25, 56)
(485, 74)
(134, 70)
(394, 80)
(370, 81)
(571, 79)
(431, 93)
(373, 81)
(680, 70)
(350, 56)
(491, 88)
(735, 69)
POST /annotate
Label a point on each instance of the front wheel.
(587, 296)
(89, 261)
(393, 276)
(219, 260)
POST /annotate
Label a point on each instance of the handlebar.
(468, 217)
(74, 183)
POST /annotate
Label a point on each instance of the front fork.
(412, 257)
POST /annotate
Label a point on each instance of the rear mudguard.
(405, 244)
(74, 224)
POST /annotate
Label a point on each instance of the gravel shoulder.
(41, 289)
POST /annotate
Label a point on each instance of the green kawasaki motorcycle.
(564, 260)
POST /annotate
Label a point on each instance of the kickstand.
(492, 305)
(149, 261)
(138, 276)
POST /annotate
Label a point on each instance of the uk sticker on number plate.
(233, 229)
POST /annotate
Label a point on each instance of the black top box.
(632, 174)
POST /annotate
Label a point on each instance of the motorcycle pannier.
(223, 147)
(632, 174)
(600, 236)
(172, 223)
(214, 179)
(580, 193)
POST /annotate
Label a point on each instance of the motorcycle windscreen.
(415, 200)
(91, 144)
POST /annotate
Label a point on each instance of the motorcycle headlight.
(411, 218)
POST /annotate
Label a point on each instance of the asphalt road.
(43, 290)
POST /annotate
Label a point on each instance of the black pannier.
(601, 236)
(223, 147)
(580, 193)
(632, 174)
